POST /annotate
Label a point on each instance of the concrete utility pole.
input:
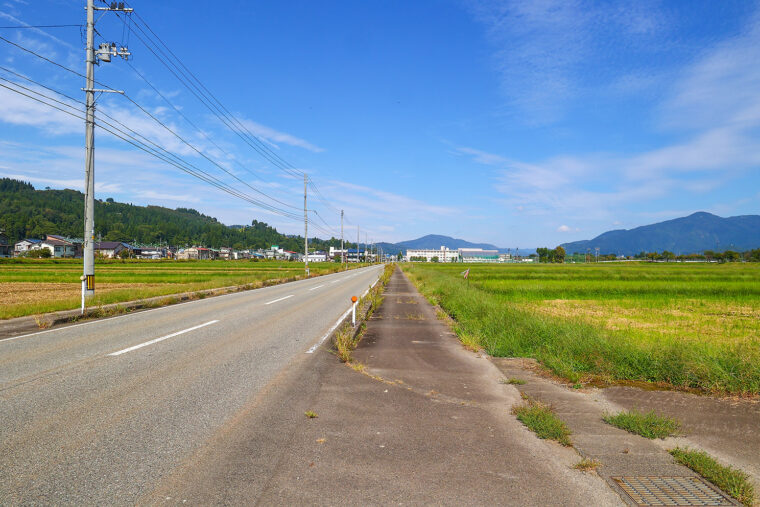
(357, 243)
(305, 228)
(104, 54)
(342, 252)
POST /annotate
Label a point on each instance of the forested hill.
(692, 234)
(29, 213)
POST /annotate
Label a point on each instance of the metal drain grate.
(671, 491)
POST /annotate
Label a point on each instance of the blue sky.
(519, 123)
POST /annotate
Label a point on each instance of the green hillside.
(29, 213)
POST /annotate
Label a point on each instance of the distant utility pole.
(103, 54)
(357, 243)
(342, 250)
(305, 228)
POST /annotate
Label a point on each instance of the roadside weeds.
(347, 337)
(648, 425)
(541, 420)
(732, 481)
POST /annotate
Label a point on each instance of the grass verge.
(347, 338)
(498, 312)
(542, 421)
(732, 481)
(648, 425)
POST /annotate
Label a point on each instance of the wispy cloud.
(274, 136)
(546, 50)
(712, 107)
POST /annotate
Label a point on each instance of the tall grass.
(580, 350)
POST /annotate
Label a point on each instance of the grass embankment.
(689, 326)
(732, 481)
(47, 285)
(648, 425)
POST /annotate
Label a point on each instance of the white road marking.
(276, 300)
(317, 287)
(151, 342)
(336, 281)
(329, 332)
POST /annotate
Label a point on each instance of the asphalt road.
(102, 412)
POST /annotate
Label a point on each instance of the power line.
(40, 26)
(132, 139)
(208, 99)
(147, 113)
(126, 137)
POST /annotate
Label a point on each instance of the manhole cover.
(671, 491)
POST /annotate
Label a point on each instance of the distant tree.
(731, 256)
(559, 254)
(434, 259)
(124, 254)
(668, 256)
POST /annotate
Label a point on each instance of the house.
(5, 248)
(108, 249)
(24, 246)
(58, 246)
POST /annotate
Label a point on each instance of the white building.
(424, 255)
(317, 257)
(478, 255)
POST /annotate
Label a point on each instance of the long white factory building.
(445, 254)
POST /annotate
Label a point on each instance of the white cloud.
(563, 228)
(274, 136)
(545, 50)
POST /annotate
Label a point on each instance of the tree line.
(29, 213)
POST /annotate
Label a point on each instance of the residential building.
(445, 254)
(108, 249)
(24, 246)
(58, 246)
(5, 247)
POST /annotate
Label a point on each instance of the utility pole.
(305, 228)
(92, 58)
(342, 251)
(357, 243)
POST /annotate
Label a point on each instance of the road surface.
(102, 412)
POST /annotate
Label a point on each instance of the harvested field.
(45, 285)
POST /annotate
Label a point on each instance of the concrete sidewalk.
(426, 423)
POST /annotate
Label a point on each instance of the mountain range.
(692, 234)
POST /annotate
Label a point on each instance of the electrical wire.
(169, 157)
(40, 26)
(131, 139)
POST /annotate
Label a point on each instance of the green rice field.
(33, 286)
(689, 325)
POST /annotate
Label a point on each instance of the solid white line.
(276, 300)
(151, 342)
(141, 312)
(329, 332)
(317, 287)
